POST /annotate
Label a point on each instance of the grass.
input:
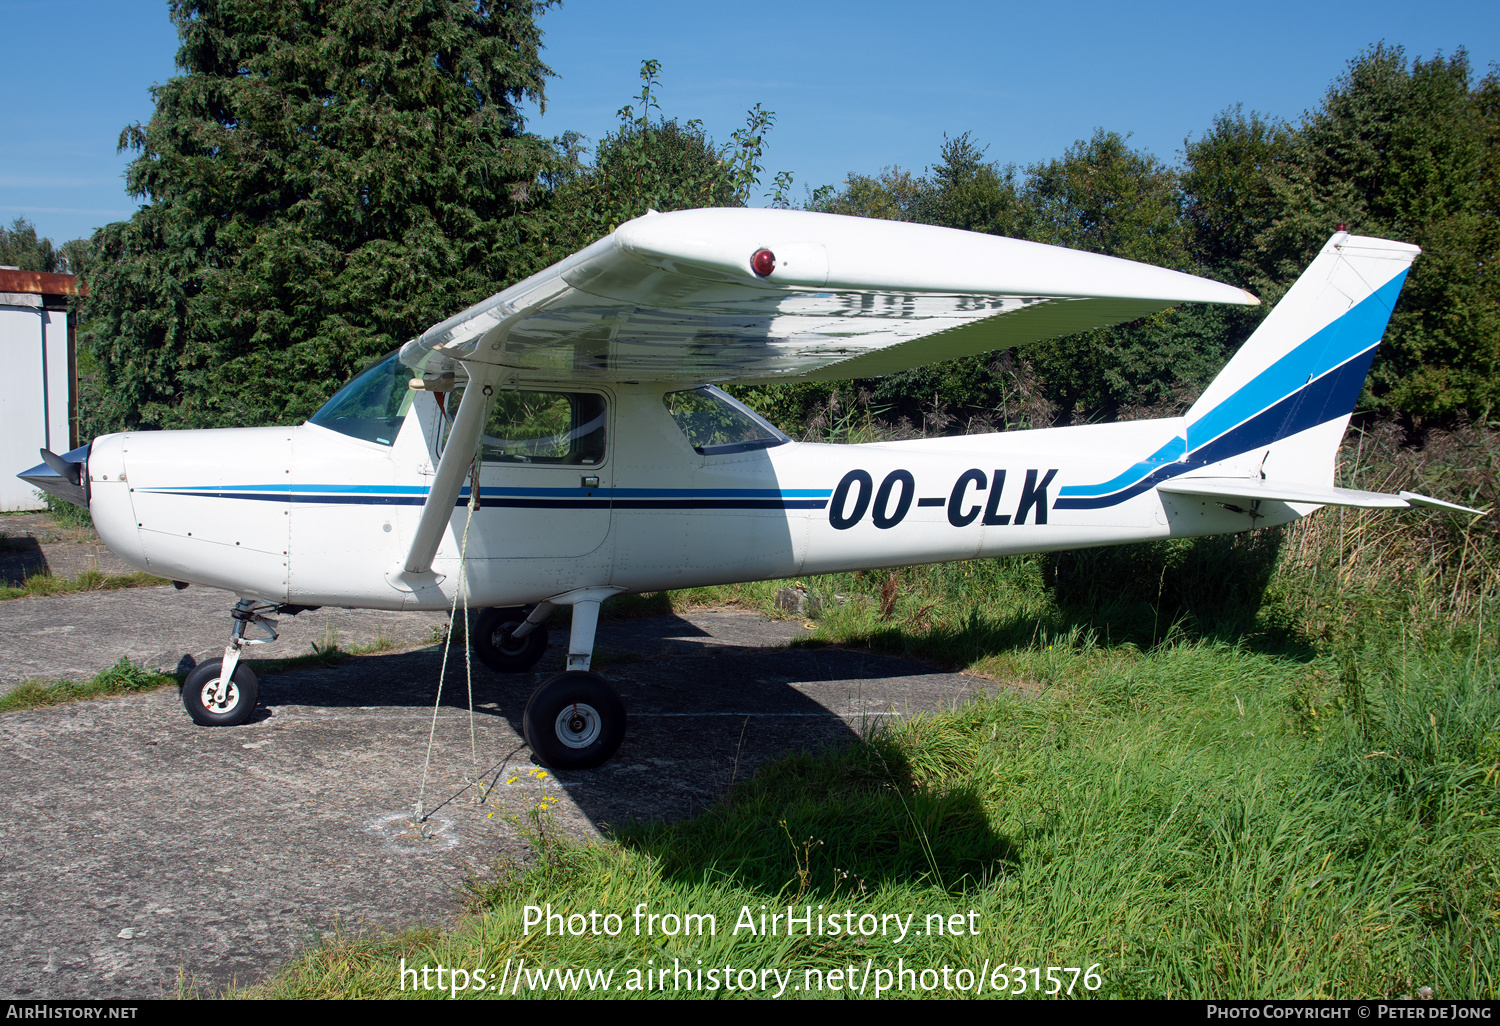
(124, 678)
(71, 522)
(1180, 820)
(39, 585)
(65, 512)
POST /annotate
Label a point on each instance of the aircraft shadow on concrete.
(21, 558)
(703, 717)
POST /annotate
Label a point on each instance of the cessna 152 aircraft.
(578, 406)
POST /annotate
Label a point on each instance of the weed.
(38, 585)
(66, 512)
(124, 678)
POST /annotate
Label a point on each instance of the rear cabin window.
(715, 423)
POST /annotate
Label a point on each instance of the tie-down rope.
(461, 592)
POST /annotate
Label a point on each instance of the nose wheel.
(574, 721)
(214, 699)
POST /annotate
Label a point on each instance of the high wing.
(676, 297)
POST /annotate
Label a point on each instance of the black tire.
(497, 650)
(208, 708)
(574, 721)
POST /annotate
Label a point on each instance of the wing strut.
(458, 454)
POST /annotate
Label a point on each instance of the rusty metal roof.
(42, 283)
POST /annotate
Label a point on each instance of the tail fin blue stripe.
(1168, 453)
(1317, 381)
(1330, 396)
(1337, 343)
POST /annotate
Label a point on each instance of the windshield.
(715, 423)
(373, 405)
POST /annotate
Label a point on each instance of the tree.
(889, 196)
(20, 247)
(1104, 197)
(966, 192)
(323, 181)
(1408, 153)
(1228, 193)
(651, 162)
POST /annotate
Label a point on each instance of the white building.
(38, 405)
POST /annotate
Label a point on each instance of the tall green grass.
(1175, 819)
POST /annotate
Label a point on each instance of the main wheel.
(214, 702)
(499, 651)
(574, 721)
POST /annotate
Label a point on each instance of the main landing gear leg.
(576, 720)
(581, 643)
(221, 692)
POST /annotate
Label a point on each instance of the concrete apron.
(140, 848)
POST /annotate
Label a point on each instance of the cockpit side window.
(542, 427)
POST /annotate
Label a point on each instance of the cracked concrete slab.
(140, 847)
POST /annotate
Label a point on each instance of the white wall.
(23, 428)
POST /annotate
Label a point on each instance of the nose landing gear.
(214, 699)
(221, 692)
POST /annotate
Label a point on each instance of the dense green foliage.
(21, 248)
(325, 182)
(651, 162)
(322, 182)
(1409, 153)
(1403, 150)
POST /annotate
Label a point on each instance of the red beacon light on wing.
(763, 262)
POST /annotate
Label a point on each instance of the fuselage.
(312, 516)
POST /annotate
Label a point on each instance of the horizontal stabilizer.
(1431, 503)
(1250, 489)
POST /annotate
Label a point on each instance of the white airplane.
(575, 405)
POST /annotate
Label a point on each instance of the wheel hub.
(504, 640)
(220, 695)
(578, 725)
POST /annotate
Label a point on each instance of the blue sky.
(856, 86)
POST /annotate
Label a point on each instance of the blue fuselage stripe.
(1325, 399)
(524, 498)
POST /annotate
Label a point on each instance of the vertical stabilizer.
(1280, 406)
